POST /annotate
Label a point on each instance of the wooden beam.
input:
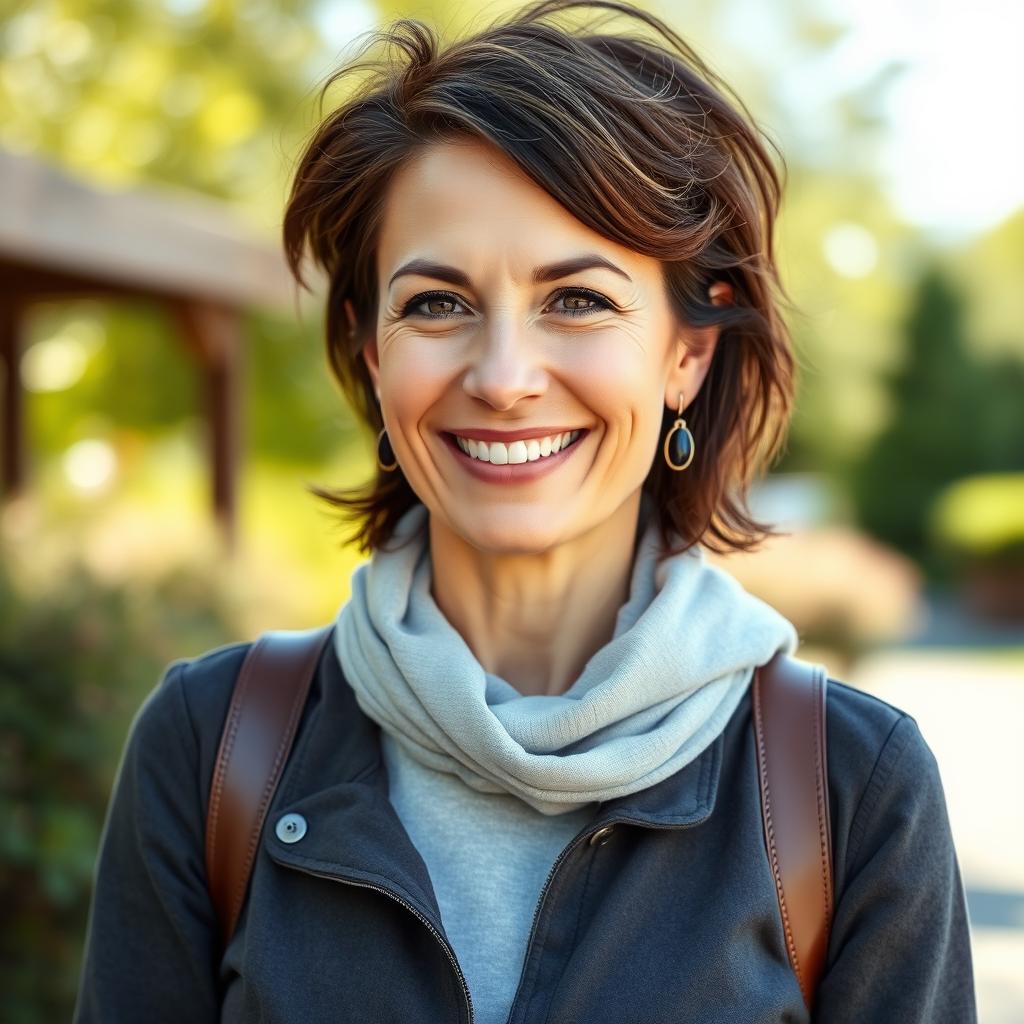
(14, 460)
(165, 241)
(213, 333)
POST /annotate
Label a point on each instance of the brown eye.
(432, 300)
(590, 302)
(432, 306)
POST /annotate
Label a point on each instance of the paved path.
(970, 709)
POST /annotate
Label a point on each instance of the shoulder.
(196, 688)
(179, 723)
(858, 724)
(206, 682)
(882, 773)
(865, 733)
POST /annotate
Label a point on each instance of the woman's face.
(479, 329)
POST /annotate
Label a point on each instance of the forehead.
(462, 179)
(465, 202)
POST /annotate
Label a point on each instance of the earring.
(389, 454)
(678, 451)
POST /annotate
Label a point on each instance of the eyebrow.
(550, 272)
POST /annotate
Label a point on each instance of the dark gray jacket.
(673, 917)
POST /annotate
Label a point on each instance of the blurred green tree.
(951, 414)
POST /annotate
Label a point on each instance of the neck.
(536, 618)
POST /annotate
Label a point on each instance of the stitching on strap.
(773, 852)
(234, 717)
(819, 752)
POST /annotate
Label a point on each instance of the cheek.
(414, 374)
(619, 383)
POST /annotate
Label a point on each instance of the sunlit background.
(166, 400)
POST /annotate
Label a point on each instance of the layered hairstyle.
(640, 140)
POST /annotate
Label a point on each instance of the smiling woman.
(528, 782)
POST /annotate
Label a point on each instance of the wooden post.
(12, 464)
(214, 334)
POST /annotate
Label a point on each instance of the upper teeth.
(518, 451)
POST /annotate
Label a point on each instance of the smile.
(499, 454)
(518, 461)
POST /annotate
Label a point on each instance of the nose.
(505, 365)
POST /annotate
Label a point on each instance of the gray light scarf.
(647, 703)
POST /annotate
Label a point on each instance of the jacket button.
(602, 835)
(290, 828)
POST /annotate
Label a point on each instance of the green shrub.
(981, 518)
(75, 664)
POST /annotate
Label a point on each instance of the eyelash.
(418, 300)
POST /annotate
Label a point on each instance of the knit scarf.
(682, 655)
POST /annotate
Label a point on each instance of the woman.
(524, 785)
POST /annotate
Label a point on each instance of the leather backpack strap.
(789, 698)
(266, 705)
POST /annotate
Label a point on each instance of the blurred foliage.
(295, 413)
(90, 369)
(196, 95)
(991, 268)
(87, 360)
(846, 327)
(951, 414)
(189, 96)
(805, 574)
(76, 660)
(981, 518)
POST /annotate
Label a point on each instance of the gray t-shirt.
(488, 856)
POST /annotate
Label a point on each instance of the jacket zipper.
(585, 834)
(588, 831)
(445, 945)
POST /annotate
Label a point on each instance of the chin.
(512, 533)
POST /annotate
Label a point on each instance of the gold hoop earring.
(389, 454)
(679, 451)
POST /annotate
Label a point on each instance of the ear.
(369, 350)
(372, 361)
(694, 350)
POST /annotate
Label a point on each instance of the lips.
(511, 473)
(531, 448)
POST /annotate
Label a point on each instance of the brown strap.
(789, 723)
(259, 730)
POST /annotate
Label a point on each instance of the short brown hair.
(638, 139)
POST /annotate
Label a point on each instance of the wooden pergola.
(62, 238)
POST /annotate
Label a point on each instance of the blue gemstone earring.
(678, 449)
